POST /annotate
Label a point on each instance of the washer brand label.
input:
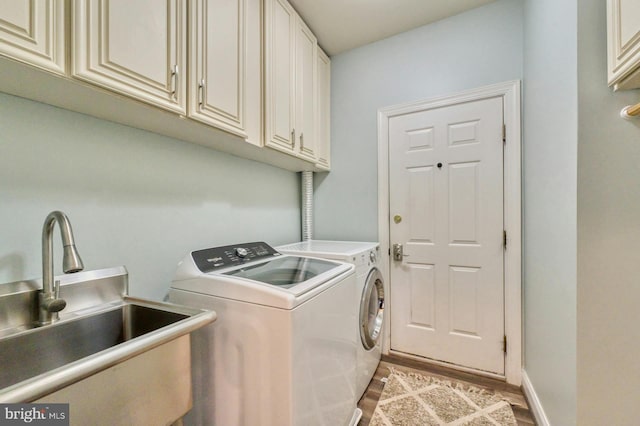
(34, 414)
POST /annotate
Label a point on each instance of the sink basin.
(40, 350)
(126, 358)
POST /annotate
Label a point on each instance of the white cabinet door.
(32, 31)
(624, 43)
(291, 79)
(225, 69)
(280, 30)
(254, 73)
(136, 48)
(305, 113)
(323, 122)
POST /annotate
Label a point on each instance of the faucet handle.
(56, 304)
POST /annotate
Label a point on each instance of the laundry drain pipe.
(307, 206)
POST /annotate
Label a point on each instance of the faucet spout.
(49, 301)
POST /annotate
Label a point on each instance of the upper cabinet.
(33, 32)
(225, 67)
(137, 48)
(290, 81)
(219, 73)
(323, 121)
(623, 33)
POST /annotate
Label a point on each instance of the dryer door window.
(372, 309)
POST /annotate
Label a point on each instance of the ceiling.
(341, 25)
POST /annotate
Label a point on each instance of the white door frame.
(510, 92)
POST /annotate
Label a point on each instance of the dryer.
(369, 297)
(279, 353)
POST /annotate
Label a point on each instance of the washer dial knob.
(242, 252)
(372, 256)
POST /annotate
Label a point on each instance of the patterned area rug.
(410, 399)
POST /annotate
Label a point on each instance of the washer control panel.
(215, 258)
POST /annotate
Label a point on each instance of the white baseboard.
(534, 403)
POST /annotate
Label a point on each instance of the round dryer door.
(372, 309)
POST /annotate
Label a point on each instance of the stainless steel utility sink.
(123, 357)
(39, 350)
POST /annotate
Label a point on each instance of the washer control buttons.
(242, 252)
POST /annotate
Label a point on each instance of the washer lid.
(257, 274)
(284, 272)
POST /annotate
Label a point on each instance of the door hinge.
(504, 344)
(389, 251)
(504, 133)
(504, 239)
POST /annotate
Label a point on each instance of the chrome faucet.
(48, 300)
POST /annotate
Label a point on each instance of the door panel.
(422, 285)
(446, 180)
(421, 184)
(463, 299)
(463, 203)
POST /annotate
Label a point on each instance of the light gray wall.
(608, 236)
(550, 167)
(473, 49)
(134, 198)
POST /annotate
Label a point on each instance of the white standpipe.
(307, 206)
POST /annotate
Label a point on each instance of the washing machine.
(369, 297)
(279, 353)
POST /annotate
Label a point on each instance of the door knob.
(397, 218)
(398, 252)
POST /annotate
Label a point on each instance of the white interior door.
(446, 209)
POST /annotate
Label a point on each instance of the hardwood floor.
(512, 393)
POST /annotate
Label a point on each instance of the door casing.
(510, 92)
